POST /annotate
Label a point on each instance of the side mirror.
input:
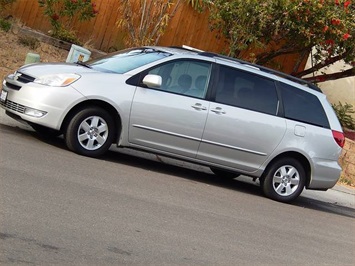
(152, 81)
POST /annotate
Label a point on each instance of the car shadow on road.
(195, 173)
(183, 170)
(328, 207)
(172, 167)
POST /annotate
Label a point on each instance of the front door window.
(187, 77)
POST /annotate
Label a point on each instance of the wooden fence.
(187, 27)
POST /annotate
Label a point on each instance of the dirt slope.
(13, 53)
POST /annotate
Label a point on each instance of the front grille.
(12, 86)
(14, 106)
(15, 82)
(23, 78)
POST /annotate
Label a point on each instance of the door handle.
(218, 111)
(199, 107)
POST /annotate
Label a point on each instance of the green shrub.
(5, 25)
(29, 41)
(344, 115)
(66, 35)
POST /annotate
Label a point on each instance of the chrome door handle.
(199, 107)
(218, 111)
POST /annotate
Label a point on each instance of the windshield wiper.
(80, 63)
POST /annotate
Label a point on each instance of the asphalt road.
(130, 208)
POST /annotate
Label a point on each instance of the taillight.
(339, 138)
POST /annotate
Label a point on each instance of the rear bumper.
(325, 174)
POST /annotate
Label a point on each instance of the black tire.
(283, 180)
(90, 132)
(223, 173)
(46, 132)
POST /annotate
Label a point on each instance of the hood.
(41, 69)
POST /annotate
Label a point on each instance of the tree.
(145, 21)
(265, 30)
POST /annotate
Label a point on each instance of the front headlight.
(57, 80)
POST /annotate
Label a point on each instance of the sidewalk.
(345, 189)
(339, 195)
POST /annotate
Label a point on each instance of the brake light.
(339, 138)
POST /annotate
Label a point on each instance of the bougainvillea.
(278, 27)
(62, 14)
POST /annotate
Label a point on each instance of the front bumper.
(33, 99)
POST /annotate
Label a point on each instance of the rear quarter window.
(246, 90)
(302, 106)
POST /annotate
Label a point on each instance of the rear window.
(246, 90)
(302, 106)
(127, 60)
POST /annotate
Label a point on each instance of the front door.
(172, 118)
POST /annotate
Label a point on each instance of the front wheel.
(284, 180)
(90, 132)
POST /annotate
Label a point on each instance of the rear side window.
(302, 106)
(246, 90)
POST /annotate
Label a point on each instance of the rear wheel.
(90, 132)
(223, 173)
(284, 180)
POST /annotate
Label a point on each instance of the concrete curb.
(344, 189)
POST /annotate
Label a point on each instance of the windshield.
(126, 60)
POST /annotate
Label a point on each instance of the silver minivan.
(235, 117)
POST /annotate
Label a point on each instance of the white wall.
(342, 90)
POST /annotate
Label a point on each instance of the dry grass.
(13, 52)
(347, 181)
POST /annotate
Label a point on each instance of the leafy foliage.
(62, 14)
(344, 114)
(278, 27)
(5, 25)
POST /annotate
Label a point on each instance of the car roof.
(187, 50)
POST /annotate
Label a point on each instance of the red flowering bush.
(289, 27)
(62, 14)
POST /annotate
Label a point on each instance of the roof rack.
(265, 69)
(188, 48)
